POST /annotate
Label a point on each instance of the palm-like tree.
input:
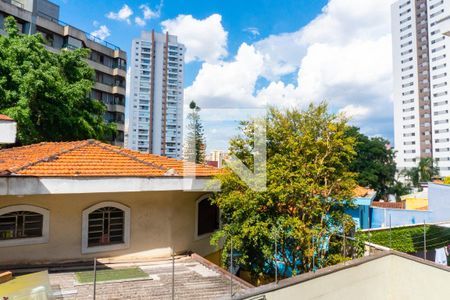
(424, 172)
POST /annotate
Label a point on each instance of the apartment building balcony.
(100, 67)
(119, 72)
(115, 107)
(118, 90)
(104, 87)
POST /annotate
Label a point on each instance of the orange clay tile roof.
(93, 159)
(5, 118)
(360, 191)
(398, 205)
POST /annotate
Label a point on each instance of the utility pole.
(276, 261)
(343, 229)
(231, 268)
(95, 275)
(314, 254)
(424, 241)
(390, 231)
(173, 274)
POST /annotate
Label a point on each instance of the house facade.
(8, 130)
(74, 201)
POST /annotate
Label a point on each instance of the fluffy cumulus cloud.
(123, 14)
(343, 56)
(205, 40)
(102, 32)
(148, 14)
(228, 84)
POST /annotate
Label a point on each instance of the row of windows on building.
(106, 225)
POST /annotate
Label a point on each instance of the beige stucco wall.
(389, 277)
(159, 221)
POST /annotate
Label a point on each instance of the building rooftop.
(394, 275)
(194, 278)
(5, 118)
(91, 158)
(398, 205)
(360, 191)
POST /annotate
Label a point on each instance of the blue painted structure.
(438, 210)
(439, 202)
(381, 217)
(361, 213)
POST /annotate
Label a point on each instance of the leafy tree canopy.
(374, 163)
(47, 93)
(309, 185)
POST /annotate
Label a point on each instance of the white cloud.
(139, 21)
(354, 111)
(123, 14)
(102, 32)
(149, 13)
(227, 84)
(343, 56)
(252, 30)
(205, 40)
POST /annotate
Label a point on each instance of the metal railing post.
(95, 276)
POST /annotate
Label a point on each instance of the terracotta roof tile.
(360, 191)
(5, 118)
(398, 205)
(94, 159)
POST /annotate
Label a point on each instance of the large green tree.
(309, 185)
(195, 141)
(374, 162)
(47, 93)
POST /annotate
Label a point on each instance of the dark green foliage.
(409, 239)
(195, 142)
(374, 164)
(424, 172)
(48, 93)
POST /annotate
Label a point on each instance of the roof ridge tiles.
(52, 156)
(111, 148)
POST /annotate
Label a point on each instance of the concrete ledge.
(5, 276)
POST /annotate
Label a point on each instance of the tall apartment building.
(421, 82)
(108, 60)
(155, 120)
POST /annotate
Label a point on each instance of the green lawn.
(110, 274)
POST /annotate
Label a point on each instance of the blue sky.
(254, 53)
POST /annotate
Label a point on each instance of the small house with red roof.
(73, 201)
(8, 128)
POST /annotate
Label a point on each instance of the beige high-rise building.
(108, 60)
(421, 55)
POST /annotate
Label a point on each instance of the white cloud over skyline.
(343, 56)
(102, 32)
(123, 14)
(205, 39)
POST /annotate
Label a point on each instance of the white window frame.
(205, 235)
(32, 240)
(85, 227)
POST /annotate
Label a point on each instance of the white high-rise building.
(155, 119)
(421, 54)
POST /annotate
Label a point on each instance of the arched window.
(106, 226)
(208, 217)
(23, 224)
